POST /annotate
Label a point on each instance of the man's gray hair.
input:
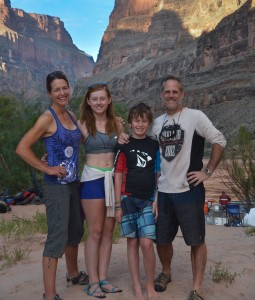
(171, 77)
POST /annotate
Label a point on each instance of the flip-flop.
(114, 289)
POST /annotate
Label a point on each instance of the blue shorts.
(93, 189)
(64, 217)
(181, 209)
(138, 220)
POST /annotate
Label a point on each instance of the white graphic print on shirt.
(142, 158)
(171, 139)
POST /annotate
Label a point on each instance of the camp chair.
(233, 215)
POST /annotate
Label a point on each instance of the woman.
(59, 130)
(100, 130)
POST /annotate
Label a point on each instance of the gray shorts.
(181, 209)
(64, 217)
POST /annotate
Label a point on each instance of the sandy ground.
(228, 245)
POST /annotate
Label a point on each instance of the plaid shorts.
(138, 220)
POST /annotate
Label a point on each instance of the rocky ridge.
(31, 46)
(148, 29)
(210, 44)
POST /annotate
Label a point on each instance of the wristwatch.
(208, 172)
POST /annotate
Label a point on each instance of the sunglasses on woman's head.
(55, 74)
(97, 84)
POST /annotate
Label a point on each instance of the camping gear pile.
(29, 196)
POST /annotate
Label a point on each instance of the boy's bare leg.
(133, 261)
(149, 261)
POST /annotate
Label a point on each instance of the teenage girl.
(100, 130)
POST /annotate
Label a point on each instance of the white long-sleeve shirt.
(181, 137)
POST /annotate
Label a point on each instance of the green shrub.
(16, 117)
(9, 258)
(22, 227)
(239, 164)
(250, 231)
(220, 274)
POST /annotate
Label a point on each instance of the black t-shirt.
(136, 161)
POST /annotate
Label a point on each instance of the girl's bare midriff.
(102, 160)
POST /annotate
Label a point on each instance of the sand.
(228, 245)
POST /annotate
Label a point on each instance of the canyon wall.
(147, 29)
(31, 46)
(209, 44)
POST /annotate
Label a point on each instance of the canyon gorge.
(209, 44)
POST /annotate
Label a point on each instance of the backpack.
(4, 206)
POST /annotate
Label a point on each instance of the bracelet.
(117, 208)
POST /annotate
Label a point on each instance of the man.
(181, 133)
(224, 199)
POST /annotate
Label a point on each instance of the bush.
(239, 162)
(19, 229)
(222, 274)
(16, 118)
(23, 227)
(12, 257)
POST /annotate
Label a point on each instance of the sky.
(85, 20)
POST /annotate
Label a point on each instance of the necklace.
(178, 117)
(165, 121)
(172, 129)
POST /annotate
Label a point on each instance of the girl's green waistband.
(102, 169)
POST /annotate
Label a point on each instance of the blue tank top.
(101, 143)
(63, 150)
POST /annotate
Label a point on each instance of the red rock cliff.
(141, 29)
(208, 43)
(33, 45)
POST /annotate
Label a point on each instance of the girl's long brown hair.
(88, 117)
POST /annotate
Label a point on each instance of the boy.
(134, 182)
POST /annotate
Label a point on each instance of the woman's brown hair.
(88, 117)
